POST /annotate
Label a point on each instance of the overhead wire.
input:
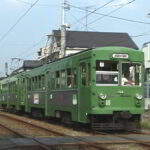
(111, 12)
(26, 56)
(11, 28)
(34, 45)
(79, 21)
(142, 34)
(91, 12)
(110, 16)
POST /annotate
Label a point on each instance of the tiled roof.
(83, 39)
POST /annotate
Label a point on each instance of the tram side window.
(23, 81)
(63, 78)
(39, 81)
(48, 74)
(74, 77)
(43, 81)
(83, 74)
(12, 87)
(52, 81)
(33, 83)
(5, 88)
(69, 83)
(29, 84)
(57, 79)
(36, 83)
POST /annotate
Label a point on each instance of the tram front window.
(131, 74)
(106, 72)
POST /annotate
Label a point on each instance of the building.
(28, 65)
(77, 41)
(146, 50)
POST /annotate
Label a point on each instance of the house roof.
(84, 39)
(30, 64)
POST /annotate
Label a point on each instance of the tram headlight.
(102, 96)
(139, 96)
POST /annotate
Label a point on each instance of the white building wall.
(146, 50)
(44, 52)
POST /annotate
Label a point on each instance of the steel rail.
(11, 130)
(95, 145)
(22, 136)
(33, 125)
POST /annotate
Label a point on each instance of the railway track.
(81, 139)
(17, 134)
(55, 133)
(131, 140)
(20, 135)
(48, 130)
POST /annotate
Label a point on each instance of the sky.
(23, 38)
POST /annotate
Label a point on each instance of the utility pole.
(63, 28)
(63, 40)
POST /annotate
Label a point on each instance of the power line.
(34, 45)
(114, 17)
(91, 12)
(79, 21)
(4, 36)
(142, 34)
(111, 12)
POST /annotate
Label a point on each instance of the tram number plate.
(108, 102)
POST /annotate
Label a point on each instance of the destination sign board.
(123, 56)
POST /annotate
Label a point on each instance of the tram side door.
(84, 84)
